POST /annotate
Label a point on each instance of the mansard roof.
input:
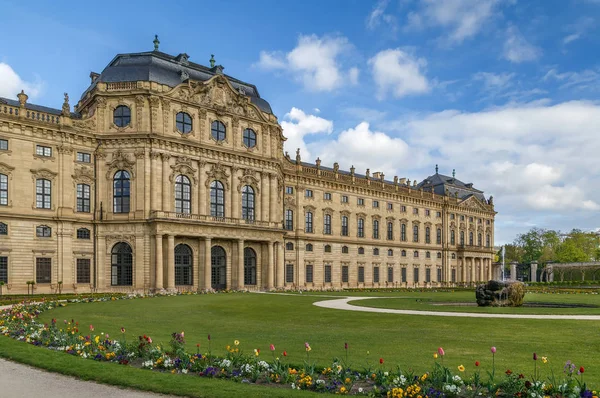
(442, 184)
(162, 68)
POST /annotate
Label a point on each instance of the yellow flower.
(435, 356)
(343, 389)
(347, 380)
(545, 359)
(236, 342)
(461, 368)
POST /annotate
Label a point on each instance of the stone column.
(166, 203)
(101, 263)
(138, 272)
(534, 266)
(480, 269)
(240, 264)
(490, 268)
(171, 262)
(264, 194)
(472, 264)
(207, 266)
(270, 267)
(280, 265)
(231, 200)
(513, 271)
(273, 199)
(155, 198)
(197, 262)
(202, 198)
(158, 263)
(147, 182)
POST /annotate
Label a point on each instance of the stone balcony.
(174, 216)
(474, 248)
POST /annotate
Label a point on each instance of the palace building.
(170, 175)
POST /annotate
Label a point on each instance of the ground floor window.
(453, 275)
(416, 275)
(328, 274)
(345, 274)
(183, 265)
(309, 273)
(403, 275)
(121, 265)
(428, 275)
(43, 270)
(390, 275)
(376, 275)
(83, 270)
(218, 268)
(289, 273)
(361, 274)
(439, 274)
(249, 266)
(4, 269)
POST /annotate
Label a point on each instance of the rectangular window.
(390, 275)
(344, 273)
(403, 275)
(43, 193)
(327, 273)
(416, 275)
(4, 269)
(43, 150)
(289, 190)
(390, 206)
(360, 201)
(375, 203)
(308, 222)
(427, 212)
(83, 270)
(438, 214)
(361, 274)
(3, 145)
(83, 233)
(438, 236)
(415, 211)
(403, 209)
(327, 196)
(308, 193)
(439, 274)
(289, 273)
(375, 229)
(3, 190)
(83, 198)
(452, 216)
(289, 220)
(462, 218)
(390, 231)
(428, 275)
(453, 275)
(344, 199)
(43, 270)
(487, 222)
(361, 228)
(375, 274)
(84, 157)
(344, 226)
(309, 273)
(327, 224)
(470, 219)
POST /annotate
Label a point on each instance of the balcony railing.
(474, 248)
(29, 114)
(171, 215)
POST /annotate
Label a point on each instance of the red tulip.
(272, 347)
(209, 337)
(581, 369)
(345, 346)
(534, 356)
(441, 351)
(476, 363)
(285, 353)
(381, 361)
(493, 350)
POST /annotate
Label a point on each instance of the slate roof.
(159, 67)
(37, 108)
(440, 183)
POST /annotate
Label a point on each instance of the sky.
(505, 92)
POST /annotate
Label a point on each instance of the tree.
(570, 252)
(532, 244)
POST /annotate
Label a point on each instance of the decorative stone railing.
(43, 117)
(474, 248)
(171, 215)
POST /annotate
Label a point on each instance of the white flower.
(293, 386)
(320, 381)
(360, 390)
(184, 371)
(225, 363)
(386, 373)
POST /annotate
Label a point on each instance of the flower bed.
(276, 369)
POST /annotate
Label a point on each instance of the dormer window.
(122, 116)
(183, 122)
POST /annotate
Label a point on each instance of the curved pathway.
(343, 304)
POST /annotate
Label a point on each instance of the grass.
(288, 321)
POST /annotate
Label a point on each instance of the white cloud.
(11, 84)
(399, 72)
(464, 18)
(297, 125)
(315, 62)
(494, 80)
(578, 29)
(517, 49)
(581, 80)
(379, 16)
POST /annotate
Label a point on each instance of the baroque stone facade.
(176, 179)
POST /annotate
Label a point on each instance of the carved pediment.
(120, 161)
(217, 172)
(86, 124)
(310, 208)
(83, 175)
(43, 173)
(5, 169)
(363, 215)
(345, 213)
(473, 203)
(248, 178)
(183, 165)
(289, 202)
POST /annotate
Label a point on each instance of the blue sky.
(504, 91)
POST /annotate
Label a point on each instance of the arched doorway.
(121, 265)
(218, 263)
(183, 265)
(249, 266)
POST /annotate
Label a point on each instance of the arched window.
(183, 195)
(427, 235)
(43, 231)
(427, 255)
(43, 193)
(217, 199)
(289, 219)
(462, 237)
(439, 254)
(248, 203)
(361, 250)
(403, 253)
(470, 238)
(183, 265)
(376, 251)
(438, 238)
(3, 228)
(375, 229)
(344, 226)
(344, 249)
(183, 122)
(218, 263)
(390, 231)
(3, 190)
(479, 240)
(308, 222)
(327, 248)
(309, 247)
(83, 198)
(121, 265)
(403, 232)
(415, 233)
(487, 240)
(122, 116)
(361, 228)
(452, 237)
(249, 266)
(289, 246)
(218, 131)
(327, 224)
(249, 138)
(83, 233)
(453, 256)
(121, 192)
(416, 253)
(390, 252)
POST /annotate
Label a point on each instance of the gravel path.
(18, 380)
(343, 304)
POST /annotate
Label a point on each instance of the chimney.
(377, 175)
(94, 76)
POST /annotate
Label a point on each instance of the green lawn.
(408, 341)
